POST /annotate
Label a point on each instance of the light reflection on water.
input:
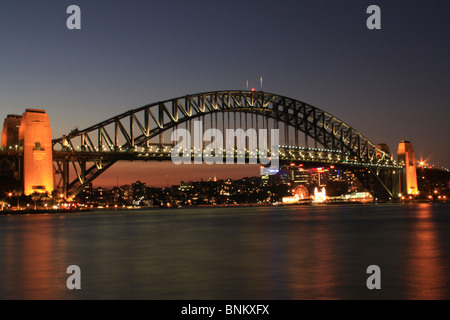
(295, 252)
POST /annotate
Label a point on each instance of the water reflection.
(425, 269)
(297, 252)
(33, 252)
(312, 261)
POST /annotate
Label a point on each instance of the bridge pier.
(380, 182)
(65, 177)
(408, 181)
(30, 136)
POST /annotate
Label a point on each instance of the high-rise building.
(406, 158)
(87, 194)
(126, 193)
(100, 195)
(319, 176)
(300, 175)
(139, 190)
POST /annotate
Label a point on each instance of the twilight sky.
(390, 84)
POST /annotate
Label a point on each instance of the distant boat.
(362, 197)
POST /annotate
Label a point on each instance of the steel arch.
(324, 128)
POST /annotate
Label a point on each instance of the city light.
(320, 196)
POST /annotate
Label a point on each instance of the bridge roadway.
(163, 153)
(9, 161)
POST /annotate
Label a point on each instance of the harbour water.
(279, 252)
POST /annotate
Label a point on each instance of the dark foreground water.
(295, 252)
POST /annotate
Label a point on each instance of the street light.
(10, 198)
(10, 195)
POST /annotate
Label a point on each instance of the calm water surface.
(295, 252)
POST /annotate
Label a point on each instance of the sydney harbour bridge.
(307, 135)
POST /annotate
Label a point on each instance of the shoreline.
(306, 203)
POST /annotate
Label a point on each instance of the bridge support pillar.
(408, 181)
(35, 138)
(65, 177)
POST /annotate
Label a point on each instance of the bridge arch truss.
(93, 150)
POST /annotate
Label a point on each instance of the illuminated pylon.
(35, 136)
(405, 156)
(10, 132)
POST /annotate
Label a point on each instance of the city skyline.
(389, 84)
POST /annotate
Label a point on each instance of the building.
(126, 194)
(319, 176)
(300, 175)
(87, 194)
(139, 191)
(100, 195)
